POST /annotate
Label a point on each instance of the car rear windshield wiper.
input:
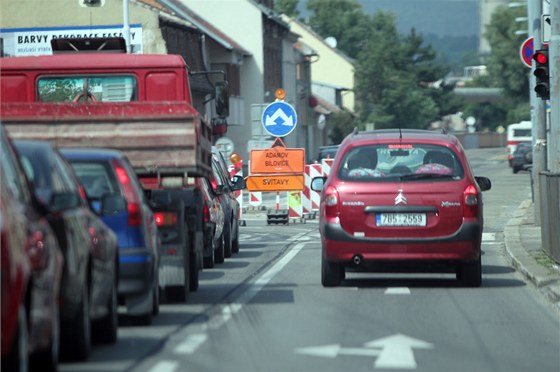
(425, 176)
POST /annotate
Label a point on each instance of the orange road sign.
(277, 160)
(277, 182)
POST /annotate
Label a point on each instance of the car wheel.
(47, 359)
(470, 273)
(515, 169)
(155, 297)
(227, 240)
(235, 241)
(105, 330)
(330, 273)
(208, 262)
(77, 335)
(17, 360)
(219, 252)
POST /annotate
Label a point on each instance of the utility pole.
(553, 143)
(538, 109)
(126, 27)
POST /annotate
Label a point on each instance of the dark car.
(327, 152)
(90, 265)
(226, 186)
(16, 276)
(522, 158)
(107, 175)
(26, 230)
(401, 201)
(213, 223)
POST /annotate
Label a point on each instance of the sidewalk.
(523, 245)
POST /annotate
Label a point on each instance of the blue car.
(108, 175)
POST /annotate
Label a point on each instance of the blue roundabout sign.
(279, 119)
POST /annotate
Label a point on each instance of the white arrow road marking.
(398, 291)
(397, 351)
(191, 343)
(165, 366)
(488, 237)
(332, 351)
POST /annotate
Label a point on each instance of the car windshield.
(404, 162)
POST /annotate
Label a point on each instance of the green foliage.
(393, 72)
(504, 64)
(288, 7)
(342, 123)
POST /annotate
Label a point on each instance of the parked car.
(522, 158)
(90, 270)
(326, 152)
(226, 186)
(108, 176)
(26, 230)
(422, 214)
(213, 223)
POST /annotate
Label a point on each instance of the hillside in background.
(450, 26)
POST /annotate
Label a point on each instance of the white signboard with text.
(20, 42)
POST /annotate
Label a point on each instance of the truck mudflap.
(157, 137)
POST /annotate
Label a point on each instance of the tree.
(504, 64)
(288, 7)
(392, 72)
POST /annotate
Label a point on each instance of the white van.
(516, 133)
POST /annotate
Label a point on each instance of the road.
(264, 309)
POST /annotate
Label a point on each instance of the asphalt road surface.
(264, 309)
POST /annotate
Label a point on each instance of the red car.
(31, 272)
(401, 201)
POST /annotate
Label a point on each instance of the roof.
(388, 135)
(177, 7)
(91, 61)
(91, 153)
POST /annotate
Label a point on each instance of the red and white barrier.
(326, 165)
(255, 198)
(311, 199)
(237, 170)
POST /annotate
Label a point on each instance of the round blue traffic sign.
(279, 119)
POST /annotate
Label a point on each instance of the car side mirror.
(221, 94)
(317, 183)
(238, 183)
(112, 204)
(484, 183)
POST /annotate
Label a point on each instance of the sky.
(439, 17)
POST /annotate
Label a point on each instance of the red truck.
(137, 103)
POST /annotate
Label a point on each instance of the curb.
(546, 281)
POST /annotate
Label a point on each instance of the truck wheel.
(193, 272)
(180, 293)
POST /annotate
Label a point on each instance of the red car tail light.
(332, 202)
(165, 219)
(206, 212)
(133, 204)
(470, 197)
